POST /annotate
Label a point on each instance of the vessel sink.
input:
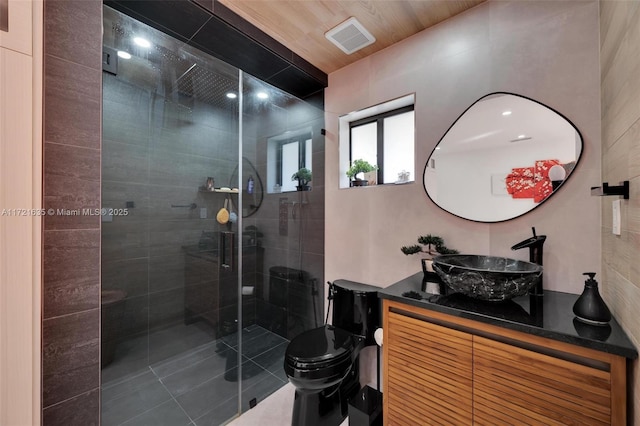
(488, 278)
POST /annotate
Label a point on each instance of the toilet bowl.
(322, 358)
(323, 363)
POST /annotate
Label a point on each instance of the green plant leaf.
(433, 244)
(411, 249)
(303, 175)
(360, 166)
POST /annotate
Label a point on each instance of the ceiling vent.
(350, 36)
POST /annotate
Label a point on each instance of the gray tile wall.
(71, 252)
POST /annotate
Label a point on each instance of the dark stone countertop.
(553, 318)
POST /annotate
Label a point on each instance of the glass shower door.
(170, 266)
(282, 240)
(219, 261)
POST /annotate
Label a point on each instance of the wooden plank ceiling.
(300, 24)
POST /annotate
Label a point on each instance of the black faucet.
(535, 244)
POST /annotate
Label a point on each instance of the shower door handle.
(226, 250)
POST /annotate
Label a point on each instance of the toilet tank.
(356, 308)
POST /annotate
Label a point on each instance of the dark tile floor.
(198, 387)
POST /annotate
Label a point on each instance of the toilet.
(323, 363)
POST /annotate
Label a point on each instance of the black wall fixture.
(605, 189)
(213, 28)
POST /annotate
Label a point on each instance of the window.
(383, 135)
(386, 140)
(293, 154)
(287, 154)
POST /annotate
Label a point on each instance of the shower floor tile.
(261, 344)
(260, 390)
(198, 401)
(115, 389)
(131, 359)
(131, 404)
(195, 387)
(195, 374)
(168, 413)
(249, 333)
(171, 365)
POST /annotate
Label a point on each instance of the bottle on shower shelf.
(250, 185)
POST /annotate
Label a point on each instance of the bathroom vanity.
(449, 359)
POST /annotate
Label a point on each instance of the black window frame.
(302, 153)
(379, 120)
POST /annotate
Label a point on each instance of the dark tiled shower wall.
(71, 252)
(156, 153)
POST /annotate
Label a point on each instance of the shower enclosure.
(209, 264)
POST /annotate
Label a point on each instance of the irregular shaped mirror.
(503, 157)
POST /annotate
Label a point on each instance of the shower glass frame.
(150, 91)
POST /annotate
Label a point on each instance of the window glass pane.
(307, 154)
(290, 165)
(364, 143)
(398, 146)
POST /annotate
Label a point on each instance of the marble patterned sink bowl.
(488, 278)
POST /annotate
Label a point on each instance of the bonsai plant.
(360, 166)
(303, 176)
(432, 245)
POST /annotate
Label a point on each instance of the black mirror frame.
(461, 115)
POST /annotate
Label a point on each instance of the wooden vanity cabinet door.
(513, 385)
(428, 374)
(440, 369)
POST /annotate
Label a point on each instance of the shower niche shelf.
(220, 190)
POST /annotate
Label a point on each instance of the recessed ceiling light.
(262, 95)
(506, 113)
(521, 136)
(231, 95)
(142, 42)
(124, 55)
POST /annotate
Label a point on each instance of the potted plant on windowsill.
(360, 166)
(432, 246)
(303, 176)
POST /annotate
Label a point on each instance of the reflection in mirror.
(503, 157)
(251, 198)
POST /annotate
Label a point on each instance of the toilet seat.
(322, 345)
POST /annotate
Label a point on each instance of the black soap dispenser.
(590, 308)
